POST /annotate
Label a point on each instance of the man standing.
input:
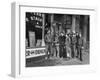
(48, 43)
(77, 44)
(80, 47)
(54, 45)
(73, 44)
(68, 51)
(62, 39)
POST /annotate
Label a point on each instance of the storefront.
(39, 25)
(35, 45)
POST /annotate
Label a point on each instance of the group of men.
(76, 45)
(64, 44)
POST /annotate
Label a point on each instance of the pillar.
(52, 20)
(65, 26)
(77, 24)
(43, 29)
(73, 23)
(85, 29)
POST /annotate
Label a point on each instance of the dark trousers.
(72, 51)
(77, 48)
(79, 52)
(62, 52)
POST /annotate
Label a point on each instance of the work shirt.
(62, 40)
(48, 38)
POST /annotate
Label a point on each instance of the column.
(77, 29)
(73, 23)
(52, 20)
(43, 27)
(85, 29)
(65, 19)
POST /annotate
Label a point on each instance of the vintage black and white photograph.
(55, 39)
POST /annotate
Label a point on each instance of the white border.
(19, 66)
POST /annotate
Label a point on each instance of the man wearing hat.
(48, 43)
(62, 47)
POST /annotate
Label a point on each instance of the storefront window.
(33, 29)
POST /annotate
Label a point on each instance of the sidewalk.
(60, 61)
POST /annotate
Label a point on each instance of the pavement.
(54, 61)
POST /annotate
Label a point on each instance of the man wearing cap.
(48, 43)
(62, 39)
(73, 44)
